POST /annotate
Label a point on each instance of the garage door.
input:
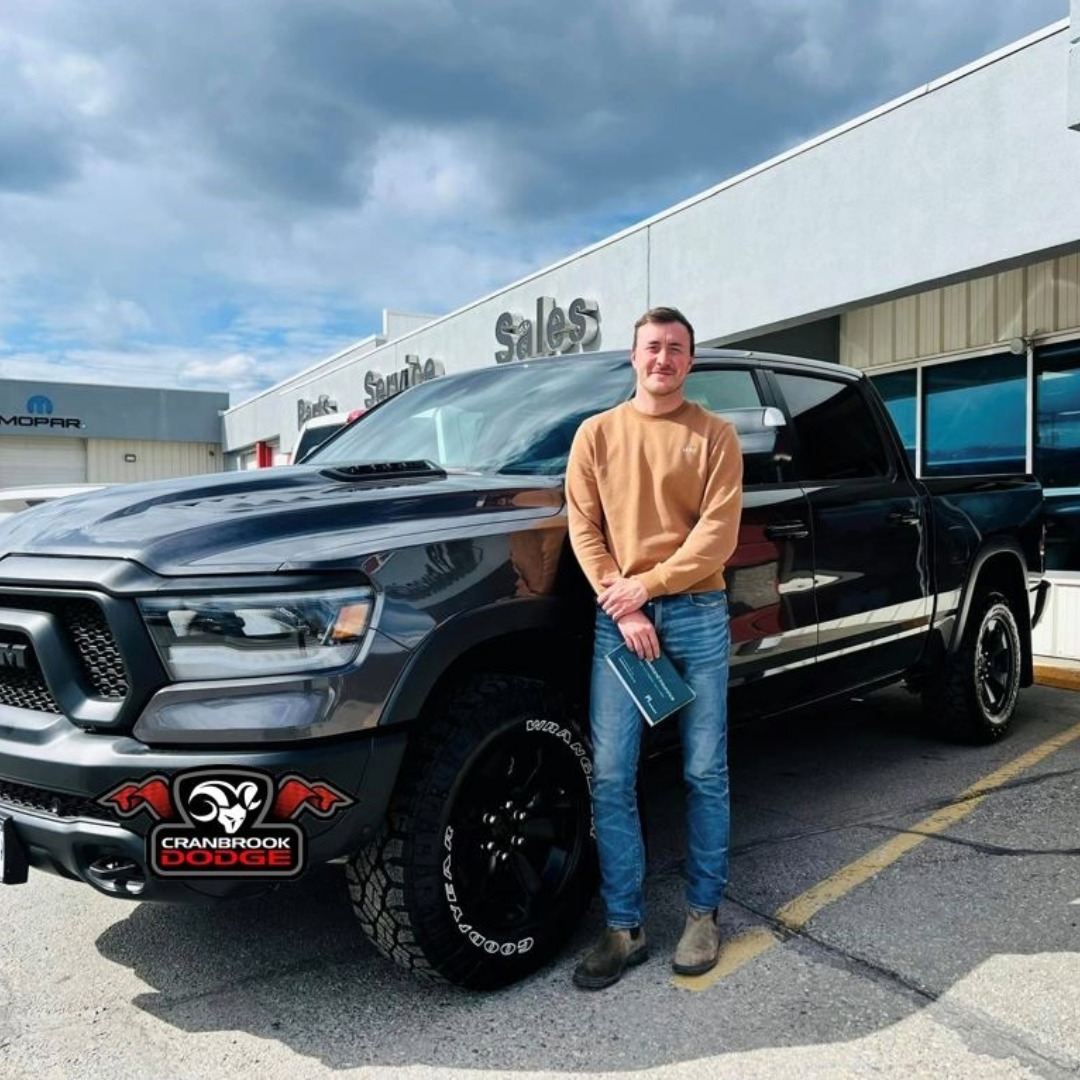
(26, 459)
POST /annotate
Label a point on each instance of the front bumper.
(51, 775)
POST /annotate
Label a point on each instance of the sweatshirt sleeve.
(584, 512)
(711, 542)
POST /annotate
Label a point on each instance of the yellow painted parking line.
(795, 914)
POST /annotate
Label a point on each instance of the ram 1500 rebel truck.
(380, 656)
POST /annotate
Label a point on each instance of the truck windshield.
(518, 418)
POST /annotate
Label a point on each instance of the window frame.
(895, 457)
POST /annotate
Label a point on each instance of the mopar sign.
(38, 414)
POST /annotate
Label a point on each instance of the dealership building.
(64, 433)
(933, 242)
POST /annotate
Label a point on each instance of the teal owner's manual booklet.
(657, 688)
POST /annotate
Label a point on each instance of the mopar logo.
(12, 656)
(39, 413)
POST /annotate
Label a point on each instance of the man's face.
(661, 358)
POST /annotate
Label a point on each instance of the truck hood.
(295, 517)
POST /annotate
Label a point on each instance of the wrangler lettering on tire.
(485, 860)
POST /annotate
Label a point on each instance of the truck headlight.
(228, 637)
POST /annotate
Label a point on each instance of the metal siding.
(881, 346)
(1068, 292)
(1058, 633)
(153, 460)
(1010, 304)
(907, 328)
(41, 459)
(981, 311)
(954, 320)
(1029, 301)
(930, 322)
(855, 328)
(1040, 299)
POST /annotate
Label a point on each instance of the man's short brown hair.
(663, 315)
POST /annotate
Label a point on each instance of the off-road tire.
(972, 696)
(485, 860)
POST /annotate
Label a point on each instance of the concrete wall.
(973, 171)
(1074, 67)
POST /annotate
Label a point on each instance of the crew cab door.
(770, 576)
(867, 518)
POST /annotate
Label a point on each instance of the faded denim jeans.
(694, 633)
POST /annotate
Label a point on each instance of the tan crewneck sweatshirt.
(656, 498)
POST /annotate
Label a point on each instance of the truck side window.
(733, 394)
(838, 436)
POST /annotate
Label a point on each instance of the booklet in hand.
(657, 688)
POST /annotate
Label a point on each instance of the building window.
(898, 390)
(975, 417)
(1057, 417)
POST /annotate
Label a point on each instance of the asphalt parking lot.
(897, 907)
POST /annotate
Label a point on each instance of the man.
(654, 494)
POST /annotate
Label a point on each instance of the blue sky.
(213, 195)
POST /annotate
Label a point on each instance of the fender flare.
(450, 641)
(993, 548)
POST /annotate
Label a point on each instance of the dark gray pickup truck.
(379, 656)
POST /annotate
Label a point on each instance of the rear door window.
(838, 436)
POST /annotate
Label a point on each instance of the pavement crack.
(976, 845)
(921, 809)
(984, 1034)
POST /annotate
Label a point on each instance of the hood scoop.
(378, 472)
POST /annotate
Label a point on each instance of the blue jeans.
(694, 633)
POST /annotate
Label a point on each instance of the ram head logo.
(227, 804)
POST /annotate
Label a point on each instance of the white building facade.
(934, 242)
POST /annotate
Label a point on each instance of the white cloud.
(233, 370)
(222, 194)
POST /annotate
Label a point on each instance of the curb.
(1064, 678)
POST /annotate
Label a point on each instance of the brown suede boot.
(699, 947)
(606, 961)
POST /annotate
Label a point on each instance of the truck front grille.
(53, 804)
(98, 653)
(84, 631)
(26, 690)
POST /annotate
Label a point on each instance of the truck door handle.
(787, 530)
(904, 517)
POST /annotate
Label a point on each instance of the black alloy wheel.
(972, 696)
(485, 861)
